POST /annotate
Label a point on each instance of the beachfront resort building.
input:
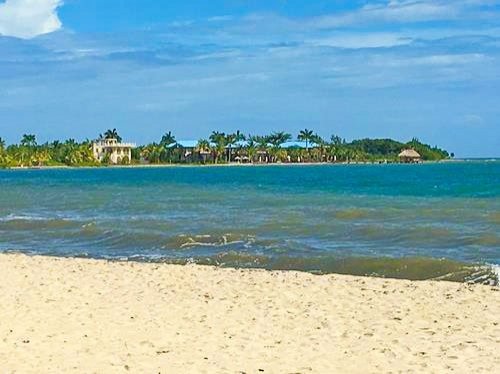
(112, 151)
(410, 156)
(188, 150)
(193, 151)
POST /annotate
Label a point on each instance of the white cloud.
(29, 18)
(472, 120)
(362, 40)
(404, 11)
(214, 80)
(437, 60)
(221, 18)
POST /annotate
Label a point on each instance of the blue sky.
(399, 69)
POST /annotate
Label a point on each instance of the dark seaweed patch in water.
(352, 214)
(411, 268)
(494, 218)
(30, 224)
(414, 268)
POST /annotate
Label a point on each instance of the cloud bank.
(410, 11)
(29, 18)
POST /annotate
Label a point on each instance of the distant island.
(219, 148)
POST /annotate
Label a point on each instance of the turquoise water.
(351, 218)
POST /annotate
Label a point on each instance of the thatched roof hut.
(410, 155)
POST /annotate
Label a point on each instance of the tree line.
(219, 147)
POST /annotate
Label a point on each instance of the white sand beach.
(77, 315)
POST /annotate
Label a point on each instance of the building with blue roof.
(238, 144)
(235, 152)
(186, 144)
(298, 145)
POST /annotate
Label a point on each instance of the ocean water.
(406, 221)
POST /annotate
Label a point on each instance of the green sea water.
(431, 221)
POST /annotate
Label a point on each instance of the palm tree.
(69, 153)
(239, 136)
(261, 144)
(26, 150)
(305, 136)
(203, 149)
(278, 138)
(251, 149)
(4, 159)
(203, 146)
(28, 140)
(3, 154)
(152, 153)
(356, 154)
(112, 134)
(41, 156)
(260, 141)
(219, 139)
(167, 139)
(23, 156)
(349, 154)
(336, 148)
(320, 145)
(166, 142)
(85, 151)
(231, 139)
(336, 140)
(317, 140)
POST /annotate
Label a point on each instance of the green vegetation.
(389, 149)
(29, 153)
(218, 148)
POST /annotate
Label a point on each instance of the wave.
(21, 217)
(29, 223)
(191, 241)
(411, 268)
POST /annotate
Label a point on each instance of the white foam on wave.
(37, 217)
(215, 240)
(16, 217)
(496, 270)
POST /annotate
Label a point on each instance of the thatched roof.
(410, 153)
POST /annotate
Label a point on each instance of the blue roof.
(184, 144)
(301, 145)
(239, 144)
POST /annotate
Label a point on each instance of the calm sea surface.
(383, 219)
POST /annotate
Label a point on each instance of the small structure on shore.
(188, 150)
(112, 151)
(410, 156)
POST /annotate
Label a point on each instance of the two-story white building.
(112, 150)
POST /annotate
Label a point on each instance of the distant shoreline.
(305, 164)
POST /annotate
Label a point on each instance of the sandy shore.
(223, 165)
(68, 315)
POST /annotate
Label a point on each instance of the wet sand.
(77, 315)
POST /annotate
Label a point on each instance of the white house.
(114, 151)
